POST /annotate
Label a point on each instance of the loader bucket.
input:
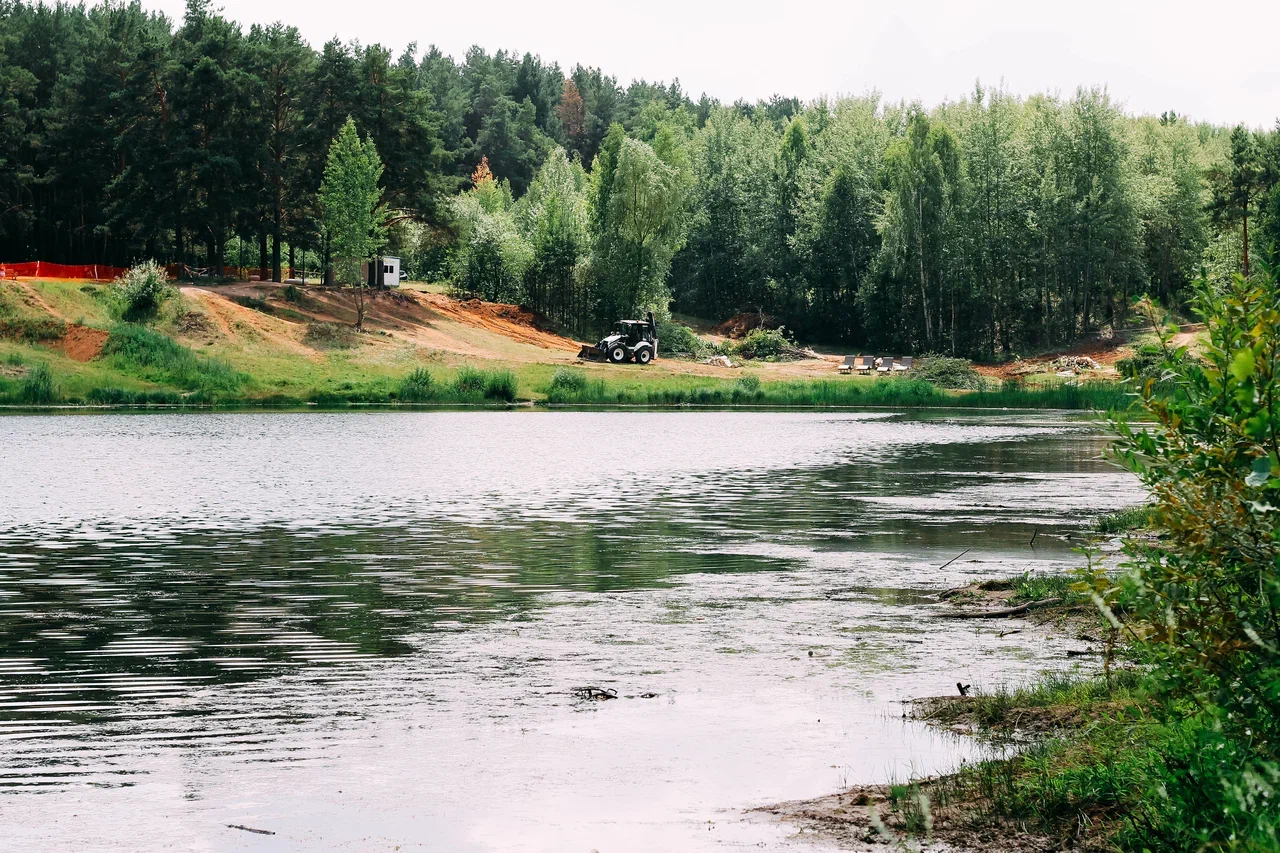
(590, 353)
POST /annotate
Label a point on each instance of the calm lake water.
(359, 631)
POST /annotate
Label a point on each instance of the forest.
(984, 227)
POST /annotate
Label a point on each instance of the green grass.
(32, 329)
(1124, 520)
(151, 355)
(1126, 770)
(1111, 765)
(903, 392)
(1095, 396)
(1035, 587)
(1001, 707)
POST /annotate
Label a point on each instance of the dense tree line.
(124, 134)
(981, 227)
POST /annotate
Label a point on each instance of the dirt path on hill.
(232, 320)
(33, 298)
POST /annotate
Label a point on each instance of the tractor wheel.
(618, 355)
(644, 355)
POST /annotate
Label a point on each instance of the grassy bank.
(1114, 765)
(142, 367)
(576, 388)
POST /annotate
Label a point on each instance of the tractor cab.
(634, 332)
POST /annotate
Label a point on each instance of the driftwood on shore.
(996, 614)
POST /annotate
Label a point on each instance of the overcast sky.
(1214, 61)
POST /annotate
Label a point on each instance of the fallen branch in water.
(250, 829)
(996, 614)
(953, 559)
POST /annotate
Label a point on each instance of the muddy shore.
(933, 814)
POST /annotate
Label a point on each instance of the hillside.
(297, 341)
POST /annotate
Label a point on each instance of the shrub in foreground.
(1206, 597)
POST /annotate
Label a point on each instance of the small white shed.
(383, 272)
(390, 271)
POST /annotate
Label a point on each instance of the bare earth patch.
(844, 819)
(83, 343)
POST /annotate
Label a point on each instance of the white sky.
(1214, 61)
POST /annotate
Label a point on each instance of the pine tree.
(1238, 186)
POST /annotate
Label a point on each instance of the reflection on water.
(361, 630)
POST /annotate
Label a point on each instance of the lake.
(364, 630)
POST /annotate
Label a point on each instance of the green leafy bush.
(1151, 361)
(501, 385)
(947, 372)
(469, 382)
(473, 385)
(675, 339)
(1206, 598)
(765, 344)
(139, 293)
(568, 381)
(417, 387)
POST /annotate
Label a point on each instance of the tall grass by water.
(150, 355)
(575, 387)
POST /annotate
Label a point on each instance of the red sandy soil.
(412, 315)
(739, 324)
(510, 321)
(82, 343)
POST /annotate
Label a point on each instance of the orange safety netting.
(43, 269)
(102, 272)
